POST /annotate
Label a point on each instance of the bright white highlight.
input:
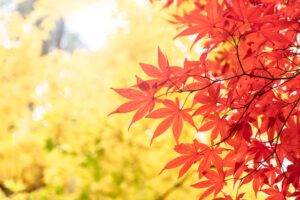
(42, 89)
(95, 23)
(38, 113)
(201, 136)
(142, 3)
(149, 132)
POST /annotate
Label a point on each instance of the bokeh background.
(58, 60)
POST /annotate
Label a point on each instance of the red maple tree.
(248, 96)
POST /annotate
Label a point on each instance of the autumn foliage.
(243, 92)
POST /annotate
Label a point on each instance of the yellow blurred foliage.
(56, 139)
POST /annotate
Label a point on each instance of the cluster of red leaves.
(248, 96)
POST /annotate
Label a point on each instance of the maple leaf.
(258, 151)
(202, 25)
(160, 74)
(190, 156)
(294, 173)
(274, 193)
(240, 132)
(210, 156)
(273, 122)
(215, 183)
(210, 101)
(235, 161)
(141, 100)
(289, 142)
(193, 153)
(217, 126)
(240, 11)
(175, 116)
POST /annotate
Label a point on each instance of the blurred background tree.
(58, 61)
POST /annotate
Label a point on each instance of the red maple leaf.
(193, 153)
(215, 183)
(160, 74)
(174, 115)
(190, 156)
(217, 126)
(141, 100)
(210, 101)
(274, 193)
